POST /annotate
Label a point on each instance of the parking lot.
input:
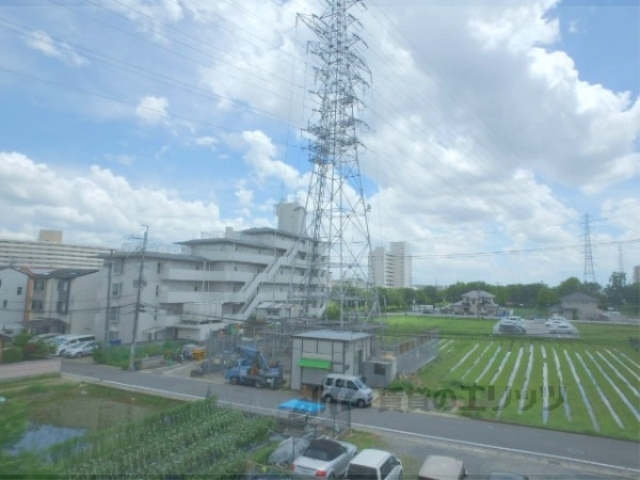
(537, 328)
(480, 462)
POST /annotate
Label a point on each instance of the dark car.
(514, 328)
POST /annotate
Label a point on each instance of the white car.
(81, 350)
(324, 457)
(553, 322)
(562, 328)
(375, 465)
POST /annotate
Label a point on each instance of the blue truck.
(251, 368)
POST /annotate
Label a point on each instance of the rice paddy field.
(587, 385)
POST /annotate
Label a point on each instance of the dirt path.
(30, 369)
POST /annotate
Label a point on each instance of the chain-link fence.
(414, 353)
(275, 340)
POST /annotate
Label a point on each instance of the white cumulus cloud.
(41, 41)
(152, 110)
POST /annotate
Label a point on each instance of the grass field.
(590, 386)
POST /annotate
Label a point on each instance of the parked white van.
(71, 341)
(346, 388)
(374, 464)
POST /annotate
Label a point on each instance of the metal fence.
(334, 421)
(414, 353)
(275, 341)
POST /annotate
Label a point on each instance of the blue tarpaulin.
(302, 405)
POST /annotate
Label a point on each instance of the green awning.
(315, 363)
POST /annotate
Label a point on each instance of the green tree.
(615, 290)
(570, 285)
(546, 298)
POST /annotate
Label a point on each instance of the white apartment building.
(49, 252)
(14, 287)
(48, 301)
(391, 268)
(62, 300)
(219, 280)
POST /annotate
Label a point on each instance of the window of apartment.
(116, 289)
(4, 304)
(0, 283)
(19, 291)
(63, 285)
(114, 314)
(36, 305)
(157, 290)
(117, 267)
(38, 285)
(159, 267)
(62, 307)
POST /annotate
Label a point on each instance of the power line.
(518, 251)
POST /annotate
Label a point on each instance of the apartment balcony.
(176, 296)
(239, 257)
(183, 275)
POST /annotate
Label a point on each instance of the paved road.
(593, 452)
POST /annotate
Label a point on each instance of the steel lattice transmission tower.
(336, 262)
(589, 274)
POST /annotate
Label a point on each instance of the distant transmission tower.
(620, 262)
(589, 275)
(336, 262)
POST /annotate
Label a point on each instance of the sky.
(495, 129)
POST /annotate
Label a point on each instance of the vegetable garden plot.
(463, 359)
(623, 397)
(553, 383)
(199, 438)
(562, 386)
(477, 360)
(599, 391)
(527, 378)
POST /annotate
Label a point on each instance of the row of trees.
(616, 295)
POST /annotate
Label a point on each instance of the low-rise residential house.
(476, 303)
(580, 306)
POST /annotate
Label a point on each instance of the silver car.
(82, 349)
(324, 458)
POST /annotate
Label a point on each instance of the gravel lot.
(479, 462)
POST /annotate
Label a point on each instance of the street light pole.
(136, 315)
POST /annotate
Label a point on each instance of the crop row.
(557, 383)
(184, 430)
(189, 439)
(178, 459)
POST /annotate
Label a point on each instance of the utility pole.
(136, 315)
(107, 344)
